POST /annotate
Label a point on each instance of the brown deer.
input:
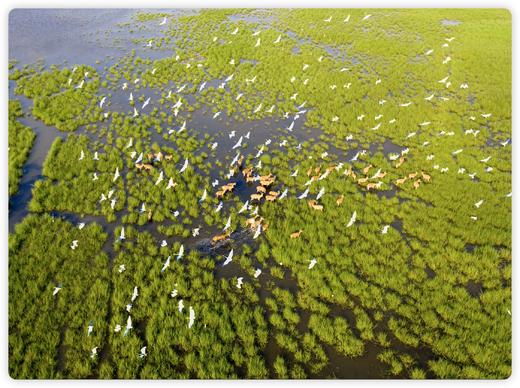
(367, 169)
(261, 189)
(256, 197)
(412, 175)
(400, 181)
(313, 204)
(425, 176)
(219, 237)
(340, 199)
(296, 234)
(416, 184)
(400, 162)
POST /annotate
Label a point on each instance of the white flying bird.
(181, 252)
(56, 289)
(166, 264)
(192, 318)
(204, 195)
(304, 194)
(128, 325)
(184, 166)
(258, 231)
(135, 294)
(239, 143)
(229, 258)
(160, 178)
(228, 224)
(352, 219)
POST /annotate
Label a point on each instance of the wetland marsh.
(260, 193)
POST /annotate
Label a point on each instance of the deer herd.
(265, 192)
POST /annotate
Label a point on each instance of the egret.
(238, 143)
(143, 352)
(96, 156)
(485, 160)
(295, 173)
(312, 263)
(74, 244)
(192, 318)
(103, 197)
(214, 183)
(320, 193)
(352, 219)
(216, 114)
(56, 290)
(102, 102)
(457, 151)
(184, 166)
(257, 231)
(204, 195)
(235, 159)
(228, 224)
(504, 143)
(328, 19)
(136, 113)
(116, 174)
(239, 282)
(479, 203)
(385, 229)
(122, 235)
(202, 86)
(121, 268)
(430, 97)
(257, 42)
(145, 103)
(93, 352)
(80, 85)
(82, 155)
(346, 19)
(160, 178)
(171, 184)
(366, 17)
(486, 115)
(180, 253)
(290, 127)
(131, 98)
(229, 258)
(278, 39)
(180, 305)
(443, 81)
(164, 243)
(117, 329)
(128, 325)
(195, 232)
(235, 31)
(257, 273)
(90, 328)
(135, 293)
(244, 207)
(166, 264)
(304, 194)
(163, 22)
